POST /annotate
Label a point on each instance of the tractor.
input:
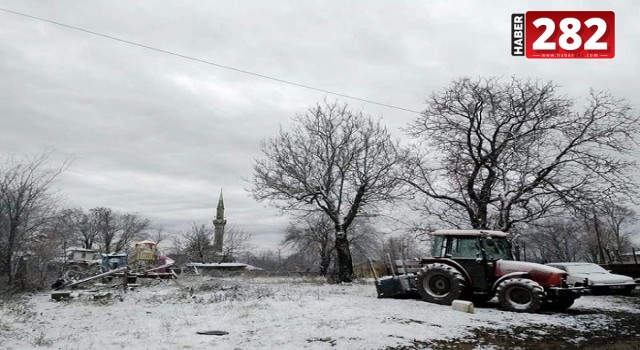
(80, 262)
(114, 261)
(477, 265)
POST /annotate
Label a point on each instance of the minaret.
(218, 224)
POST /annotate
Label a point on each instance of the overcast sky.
(161, 135)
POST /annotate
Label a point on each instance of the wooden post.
(373, 270)
(393, 272)
(633, 252)
(125, 280)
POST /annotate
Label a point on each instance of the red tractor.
(477, 265)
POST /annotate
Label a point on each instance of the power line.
(207, 62)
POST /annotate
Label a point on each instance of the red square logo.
(566, 34)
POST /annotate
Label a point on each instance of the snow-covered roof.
(469, 233)
(80, 249)
(217, 264)
(223, 265)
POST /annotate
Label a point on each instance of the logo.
(563, 34)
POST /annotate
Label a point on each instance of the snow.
(258, 313)
(217, 264)
(223, 265)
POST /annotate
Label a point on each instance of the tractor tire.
(520, 295)
(73, 273)
(440, 284)
(558, 305)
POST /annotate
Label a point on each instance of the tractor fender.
(450, 262)
(509, 276)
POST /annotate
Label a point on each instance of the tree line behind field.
(512, 155)
(504, 154)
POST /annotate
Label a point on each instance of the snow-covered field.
(264, 313)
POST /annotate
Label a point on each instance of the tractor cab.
(471, 244)
(476, 251)
(114, 261)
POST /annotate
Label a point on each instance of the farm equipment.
(149, 262)
(80, 263)
(114, 261)
(477, 265)
(87, 266)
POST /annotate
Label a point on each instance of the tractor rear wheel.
(520, 295)
(440, 284)
(73, 273)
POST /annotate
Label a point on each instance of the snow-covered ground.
(261, 313)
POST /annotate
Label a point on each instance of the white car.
(599, 280)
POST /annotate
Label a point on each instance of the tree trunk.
(598, 240)
(10, 252)
(345, 263)
(7, 268)
(325, 261)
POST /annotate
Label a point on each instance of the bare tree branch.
(494, 154)
(333, 159)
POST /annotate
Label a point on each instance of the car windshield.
(586, 268)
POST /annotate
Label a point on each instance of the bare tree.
(236, 241)
(82, 226)
(607, 225)
(364, 239)
(265, 259)
(197, 243)
(312, 236)
(618, 220)
(105, 222)
(406, 245)
(158, 235)
(26, 205)
(556, 240)
(499, 154)
(117, 230)
(44, 262)
(334, 159)
(62, 234)
(131, 227)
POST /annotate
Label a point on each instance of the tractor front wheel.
(73, 273)
(520, 295)
(440, 284)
